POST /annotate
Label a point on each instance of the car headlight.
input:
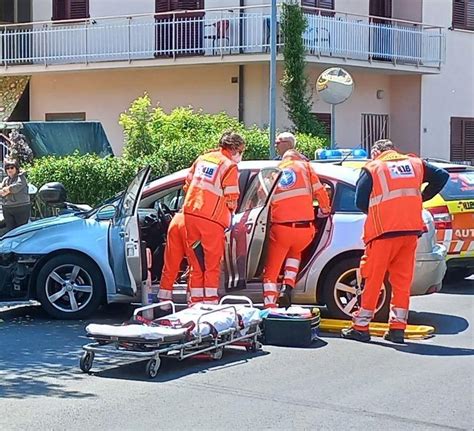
(11, 244)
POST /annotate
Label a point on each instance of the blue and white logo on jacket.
(287, 179)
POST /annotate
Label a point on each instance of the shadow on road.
(444, 324)
(427, 349)
(465, 287)
(172, 369)
(40, 356)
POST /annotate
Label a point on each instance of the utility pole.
(273, 57)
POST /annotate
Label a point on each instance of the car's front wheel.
(340, 291)
(70, 286)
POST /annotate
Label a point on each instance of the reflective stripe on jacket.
(212, 187)
(294, 194)
(395, 203)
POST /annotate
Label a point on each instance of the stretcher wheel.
(218, 353)
(86, 361)
(254, 347)
(152, 367)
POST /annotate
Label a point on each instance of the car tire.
(70, 286)
(339, 291)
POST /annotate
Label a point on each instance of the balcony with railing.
(217, 33)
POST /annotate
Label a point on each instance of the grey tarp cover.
(62, 138)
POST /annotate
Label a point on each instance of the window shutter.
(459, 14)
(190, 4)
(469, 140)
(457, 150)
(470, 15)
(326, 4)
(59, 9)
(78, 9)
(162, 6)
(70, 9)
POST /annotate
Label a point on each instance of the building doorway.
(373, 127)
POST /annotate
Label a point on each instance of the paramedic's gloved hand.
(323, 213)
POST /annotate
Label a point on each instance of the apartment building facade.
(411, 61)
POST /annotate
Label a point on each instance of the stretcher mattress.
(183, 324)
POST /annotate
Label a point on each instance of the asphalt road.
(335, 385)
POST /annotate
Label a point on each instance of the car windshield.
(114, 200)
(459, 186)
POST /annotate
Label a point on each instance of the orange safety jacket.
(395, 203)
(294, 194)
(212, 187)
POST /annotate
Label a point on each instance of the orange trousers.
(286, 245)
(205, 241)
(395, 256)
(175, 252)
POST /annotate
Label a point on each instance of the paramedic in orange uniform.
(212, 192)
(292, 220)
(389, 192)
(175, 252)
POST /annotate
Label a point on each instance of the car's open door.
(124, 238)
(246, 238)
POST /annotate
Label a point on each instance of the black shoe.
(354, 334)
(284, 298)
(395, 336)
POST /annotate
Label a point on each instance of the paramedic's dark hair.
(383, 145)
(231, 140)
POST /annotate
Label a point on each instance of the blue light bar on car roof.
(349, 153)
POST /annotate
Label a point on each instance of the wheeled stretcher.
(202, 329)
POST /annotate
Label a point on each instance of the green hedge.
(167, 142)
(88, 178)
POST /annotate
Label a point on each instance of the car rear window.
(459, 186)
(344, 199)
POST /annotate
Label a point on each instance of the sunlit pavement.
(336, 384)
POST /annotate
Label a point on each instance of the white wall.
(405, 112)
(104, 95)
(449, 94)
(352, 6)
(348, 114)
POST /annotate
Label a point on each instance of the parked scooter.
(50, 200)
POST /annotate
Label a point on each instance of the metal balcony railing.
(216, 32)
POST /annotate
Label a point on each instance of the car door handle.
(123, 234)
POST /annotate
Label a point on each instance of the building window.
(462, 139)
(323, 4)
(463, 14)
(66, 116)
(70, 9)
(373, 127)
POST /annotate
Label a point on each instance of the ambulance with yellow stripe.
(453, 213)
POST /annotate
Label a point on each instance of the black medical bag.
(291, 331)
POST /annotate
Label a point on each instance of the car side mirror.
(107, 212)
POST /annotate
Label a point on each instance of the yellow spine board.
(378, 329)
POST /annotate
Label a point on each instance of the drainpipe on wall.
(273, 55)
(241, 92)
(241, 66)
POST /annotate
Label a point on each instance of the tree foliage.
(296, 97)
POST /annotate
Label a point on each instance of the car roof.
(450, 166)
(340, 173)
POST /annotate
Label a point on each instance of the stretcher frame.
(210, 345)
